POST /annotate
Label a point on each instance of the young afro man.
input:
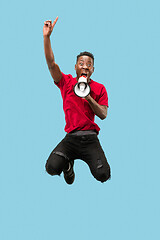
(81, 141)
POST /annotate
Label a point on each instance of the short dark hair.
(86, 54)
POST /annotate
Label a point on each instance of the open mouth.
(84, 74)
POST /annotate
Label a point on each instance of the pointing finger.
(53, 24)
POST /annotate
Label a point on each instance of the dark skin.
(84, 65)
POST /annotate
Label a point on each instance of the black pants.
(86, 148)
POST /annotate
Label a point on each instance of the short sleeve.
(61, 83)
(103, 100)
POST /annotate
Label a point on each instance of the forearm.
(48, 51)
(100, 111)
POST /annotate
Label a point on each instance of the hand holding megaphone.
(82, 88)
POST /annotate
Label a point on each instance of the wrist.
(88, 98)
(46, 36)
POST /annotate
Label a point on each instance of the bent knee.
(52, 171)
(55, 164)
(103, 176)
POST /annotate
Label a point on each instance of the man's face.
(84, 66)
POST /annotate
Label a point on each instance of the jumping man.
(81, 140)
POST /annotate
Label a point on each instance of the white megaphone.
(82, 88)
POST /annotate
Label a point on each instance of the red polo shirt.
(78, 113)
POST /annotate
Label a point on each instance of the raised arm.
(53, 67)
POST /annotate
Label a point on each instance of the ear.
(75, 66)
(92, 69)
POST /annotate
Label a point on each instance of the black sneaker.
(69, 173)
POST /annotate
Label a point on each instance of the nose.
(85, 67)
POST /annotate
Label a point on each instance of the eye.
(81, 64)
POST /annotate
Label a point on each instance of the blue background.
(124, 36)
